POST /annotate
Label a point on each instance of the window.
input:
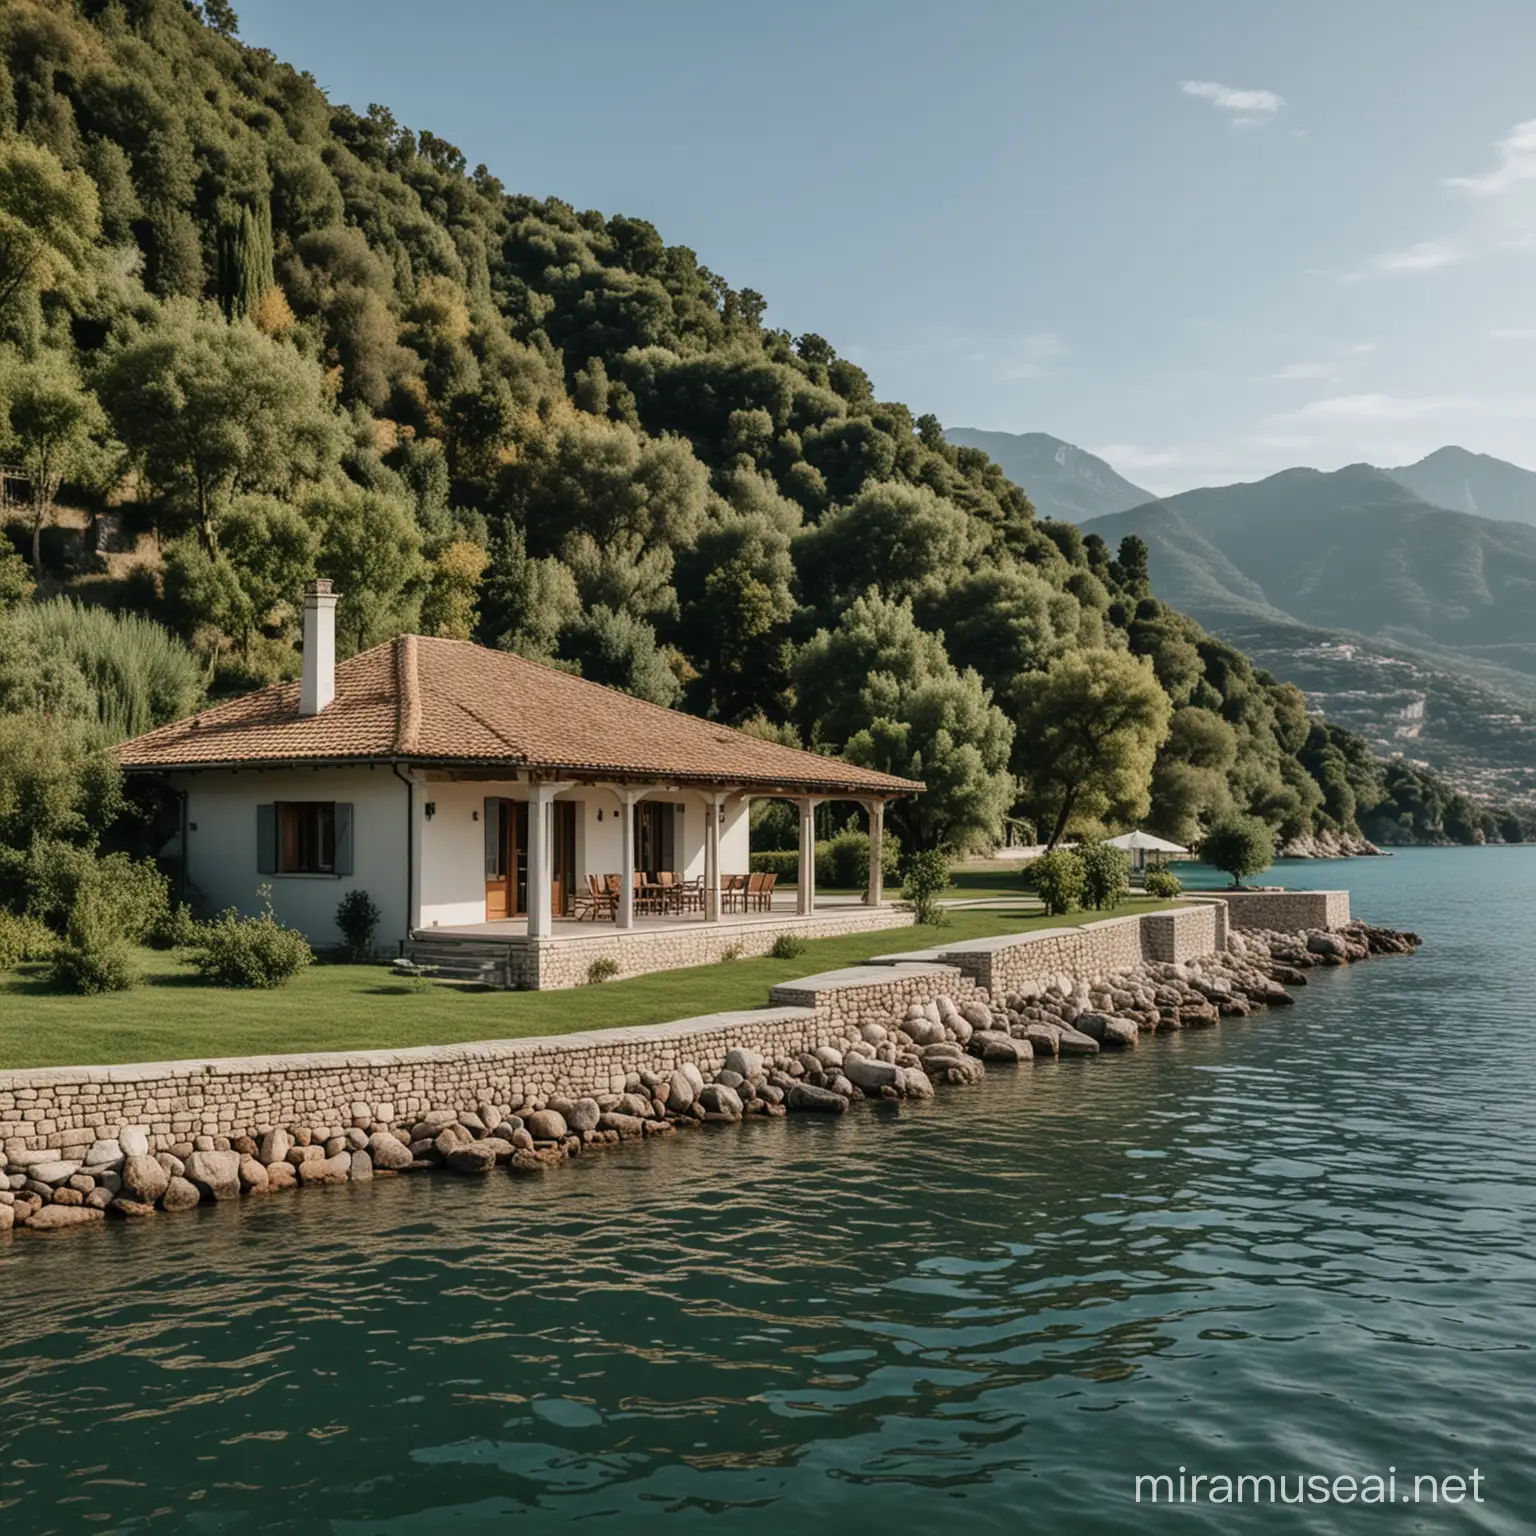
(304, 837)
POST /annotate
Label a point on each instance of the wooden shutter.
(343, 838)
(492, 815)
(266, 839)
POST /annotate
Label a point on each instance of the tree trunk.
(37, 543)
(205, 523)
(1062, 819)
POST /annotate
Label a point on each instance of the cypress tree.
(245, 260)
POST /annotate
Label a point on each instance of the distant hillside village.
(250, 338)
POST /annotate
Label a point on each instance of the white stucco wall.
(450, 845)
(222, 859)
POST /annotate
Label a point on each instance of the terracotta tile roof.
(423, 700)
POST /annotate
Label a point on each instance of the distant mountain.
(1472, 482)
(1351, 550)
(1061, 480)
(1413, 624)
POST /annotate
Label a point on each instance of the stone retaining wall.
(552, 964)
(872, 994)
(1186, 933)
(1000, 965)
(70, 1107)
(1282, 911)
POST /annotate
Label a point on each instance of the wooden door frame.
(506, 834)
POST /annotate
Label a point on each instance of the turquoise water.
(1302, 1244)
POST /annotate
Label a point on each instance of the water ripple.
(1302, 1243)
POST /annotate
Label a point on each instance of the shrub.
(89, 969)
(358, 916)
(23, 938)
(604, 968)
(924, 878)
(1239, 846)
(732, 952)
(177, 929)
(236, 951)
(842, 861)
(1163, 884)
(1060, 880)
(95, 955)
(1106, 874)
(45, 878)
(137, 894)
(783, 862)
(787, 947)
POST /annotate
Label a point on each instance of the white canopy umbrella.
(1139, 844)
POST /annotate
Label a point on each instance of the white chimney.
(318, 687)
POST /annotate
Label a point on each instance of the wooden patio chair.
(665, 891)
(765, 895)
(596, 901)
(647, 896)
(690, 893)
(754, 891)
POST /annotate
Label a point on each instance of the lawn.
(175, 1015)
(983, 879)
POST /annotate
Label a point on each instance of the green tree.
(1239, 846)
(370, 547)
(735, 607)
(525, 603)
(49, 224)
(881, 691)
(613, 504)
(451, 606)
(245, 260)
(267, 551)
(896, 537)
(210, 408)
(620, 651)
(55, 428)
(1089, 727)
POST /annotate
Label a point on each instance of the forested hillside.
(250, 335)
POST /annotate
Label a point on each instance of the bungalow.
(472, 793)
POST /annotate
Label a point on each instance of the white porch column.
(712, 812)
(541, 841)
(805, 894)
(874, 892)
(626, 912)
(540, 915)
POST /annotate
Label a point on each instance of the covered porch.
(536, 855)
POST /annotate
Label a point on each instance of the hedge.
(842, 862)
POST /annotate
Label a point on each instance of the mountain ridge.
(1064, 481)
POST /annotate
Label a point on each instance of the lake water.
(1303, 1244)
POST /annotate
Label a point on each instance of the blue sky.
(1207, 240)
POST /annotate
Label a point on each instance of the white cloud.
(1498, 213)
(1304, 371)
(1426, 256)
(1517, 164)
(1368, 407)
(1513, 333)
(1253, 106)
(1323, 368)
